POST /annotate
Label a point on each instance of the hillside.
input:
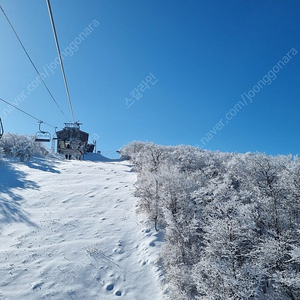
(77, 229)
(69, 231)
(231, 220)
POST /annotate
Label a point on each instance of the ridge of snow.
(69, 231)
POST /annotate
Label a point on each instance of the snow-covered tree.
(231, 221)
(1, 153)
(22, 146)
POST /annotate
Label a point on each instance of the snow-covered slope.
(69, 231)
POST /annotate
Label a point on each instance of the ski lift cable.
(31, 61)
(60, 59)
(24, 112)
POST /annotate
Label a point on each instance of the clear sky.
(199, 57)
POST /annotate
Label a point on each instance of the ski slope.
(69, 231)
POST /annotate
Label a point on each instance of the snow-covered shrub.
(131, 150)
(231, 221)
(1, 154)
(22, 146)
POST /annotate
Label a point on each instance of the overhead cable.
(60, 59)
(32, 63)
(24, 112)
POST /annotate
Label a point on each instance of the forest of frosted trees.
(21, 146)
(230, 221)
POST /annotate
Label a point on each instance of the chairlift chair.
(1, 129)
(42, 136)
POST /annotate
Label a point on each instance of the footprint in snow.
(37, 286)
(110, 287)
(142, 262)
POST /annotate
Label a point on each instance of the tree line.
(230, 220)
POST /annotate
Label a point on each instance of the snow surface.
(68, 230)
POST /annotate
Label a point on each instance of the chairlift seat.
(43, 137)
(42, 140)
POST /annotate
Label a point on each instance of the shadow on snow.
(13, 180)
(100, 158)
(43, 164)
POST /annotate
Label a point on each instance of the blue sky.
(202, 56)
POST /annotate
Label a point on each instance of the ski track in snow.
(69, 231)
